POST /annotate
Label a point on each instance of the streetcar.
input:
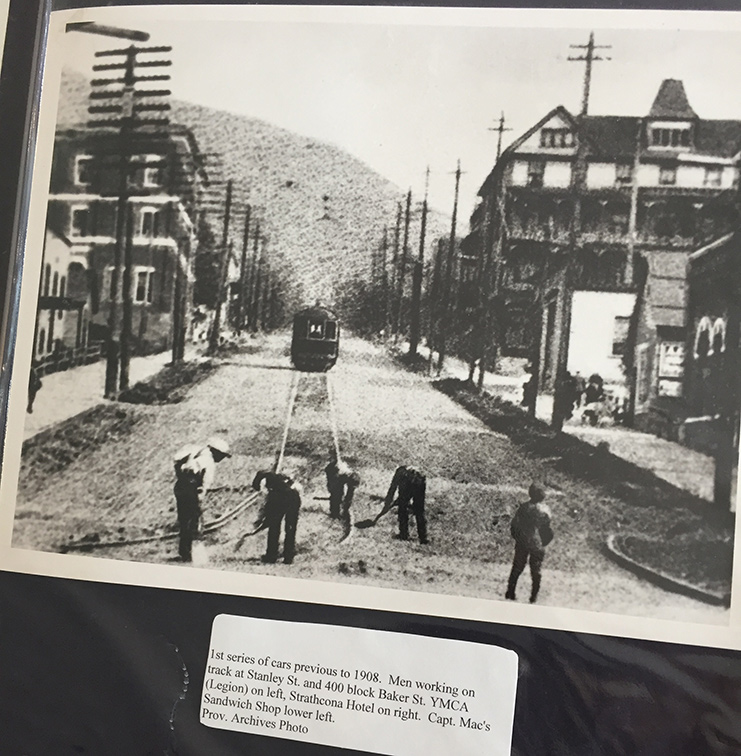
(316, 338)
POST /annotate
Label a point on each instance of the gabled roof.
(671, 101)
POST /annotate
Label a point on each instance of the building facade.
(711, 380)
(588, 223)
(135, 216)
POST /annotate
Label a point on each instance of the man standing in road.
(283, 501)
(531, 529)
(195, 467)
(342, 481)
(411, 486)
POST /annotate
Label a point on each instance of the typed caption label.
(391, 693)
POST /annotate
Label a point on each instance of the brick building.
(162, 192)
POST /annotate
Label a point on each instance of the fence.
(64, 359)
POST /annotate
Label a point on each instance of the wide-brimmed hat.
(220, 445)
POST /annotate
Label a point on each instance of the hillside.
(323, 243)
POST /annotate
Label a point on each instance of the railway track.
(317, 389)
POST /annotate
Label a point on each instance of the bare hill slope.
(324, 210)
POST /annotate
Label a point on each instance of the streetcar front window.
(316, 329)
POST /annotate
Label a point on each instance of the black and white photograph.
(387, 306)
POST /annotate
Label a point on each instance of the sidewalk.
(677, 464)
(69, 392)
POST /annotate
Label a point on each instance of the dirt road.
(386, 416)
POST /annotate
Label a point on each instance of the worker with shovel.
(342, 481)
(194, 474)
(283, 503)
(410, 485)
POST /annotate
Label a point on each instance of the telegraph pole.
(213, 343)
(243, 269)
(500, 128)
(589, 57)
(395, 266)
(129, 109)
(447, 298)
(254, 278)
(403, 266)
(414, 326)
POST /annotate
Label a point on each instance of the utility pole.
(500, 128)
(395, 266)
(213, 343)
(450, 262)
(385, 281)
(414, 326)
(243, 269)
(254, 278)
(403, 266)
(130, 110)
(589, 57)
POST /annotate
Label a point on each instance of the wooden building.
(585, 225)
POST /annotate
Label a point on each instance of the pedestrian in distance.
(195, 468)
(342, 481)
(283, 503)
(531, 529)
(409, 486)
(34, 385)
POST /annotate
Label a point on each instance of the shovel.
(363, 524)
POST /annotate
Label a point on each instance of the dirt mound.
(53, 450)
(170, 385)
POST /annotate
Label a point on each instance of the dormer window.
(556, 138)
(670, 137)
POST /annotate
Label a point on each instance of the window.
(62, 291)
(620, 335)
(47, 279)
(713, 176)
(79, 221)
(556, 138)
(153, 176)
(42, 341)
(671, 138)
(149, 222)
(144, 282)
(667, 175)
(535, 173)
(315, 329)
(55, 285)
(83, 170)
(624, 174)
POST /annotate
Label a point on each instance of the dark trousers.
(522, 554)
(416, 500)
(277, 508)
(336, 492)
(189, 515)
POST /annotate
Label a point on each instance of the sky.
(402, 89)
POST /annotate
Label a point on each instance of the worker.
(283, 501)
(195, 467)
(342, 481)
(531, 529)
(410, 484)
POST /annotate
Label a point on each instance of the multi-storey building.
(160, 189)
(713, 357)
(588, 222)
